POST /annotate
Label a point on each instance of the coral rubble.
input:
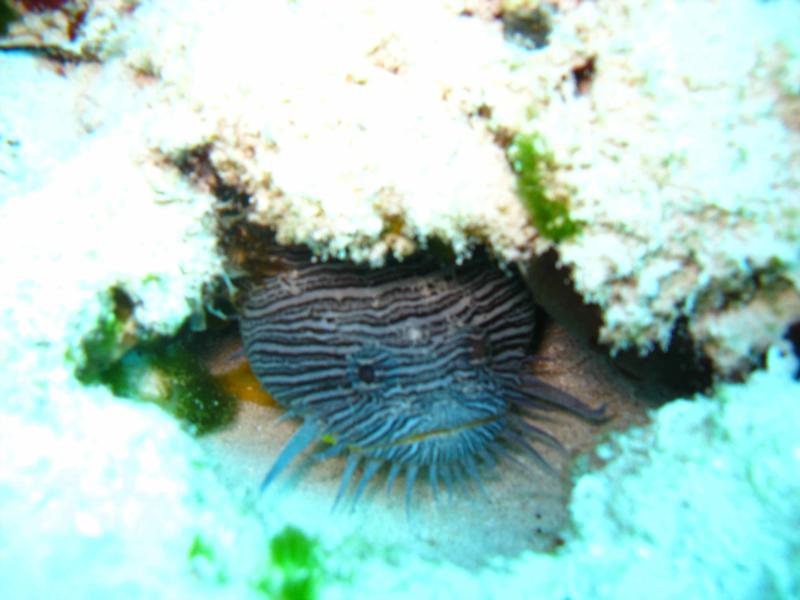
(655, 146)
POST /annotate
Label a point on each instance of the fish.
(419, 368)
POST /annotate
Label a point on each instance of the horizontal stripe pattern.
(396, 364)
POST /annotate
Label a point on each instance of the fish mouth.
(415, 438)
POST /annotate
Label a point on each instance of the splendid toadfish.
(416, 368)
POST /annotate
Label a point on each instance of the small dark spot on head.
(366, 373)
(530, 29)
(479, 349)
(484, 111)
(583, 75)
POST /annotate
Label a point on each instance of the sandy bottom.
(520, 507)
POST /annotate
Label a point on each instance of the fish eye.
(366, 373)
(480, 349)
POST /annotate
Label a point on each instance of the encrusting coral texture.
(664, 135)
(681, 211)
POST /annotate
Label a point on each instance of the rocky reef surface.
(649, 149)
(364, 129)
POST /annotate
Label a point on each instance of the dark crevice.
(682, 369)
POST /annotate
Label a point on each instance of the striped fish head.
(411, 366)
(419, 402)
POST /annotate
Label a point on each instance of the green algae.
(205, 561)
(99, 349)
(297, 567)
(7, 16)
(168, 373)
(526, 27)
(200, 548)
(293, 568)
(108, 342)
(531, 163)
(163, 370)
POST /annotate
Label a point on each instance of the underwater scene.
(423, 299)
